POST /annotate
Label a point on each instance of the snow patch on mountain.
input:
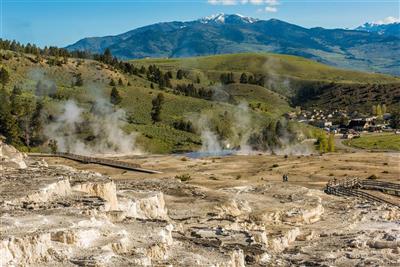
(224, 18)
(389, 25)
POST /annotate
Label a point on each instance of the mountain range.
(381, 28)
(374, 48)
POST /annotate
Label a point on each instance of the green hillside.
(27, 72)
(269, 64)
(304, 82)
(200, 96)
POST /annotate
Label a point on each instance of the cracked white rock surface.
(67, 217)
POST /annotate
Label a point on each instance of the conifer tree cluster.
(157, 103)
(191, 90)
(21, 117)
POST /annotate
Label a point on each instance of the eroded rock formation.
(59, 216)
(10, 157)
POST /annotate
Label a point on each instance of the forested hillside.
(84, 103)
(52, 95)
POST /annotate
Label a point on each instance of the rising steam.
(103, 122)
(209, 139)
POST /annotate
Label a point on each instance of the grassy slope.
(291, 75)
(272, 103)
(162, 137)
(157, 138)
(273, 64)
(385, 141)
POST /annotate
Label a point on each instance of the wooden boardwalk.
(350, 186)
(101, 161)
(386, 187)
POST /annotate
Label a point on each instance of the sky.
(63, 22)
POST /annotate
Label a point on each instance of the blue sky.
(62, 22)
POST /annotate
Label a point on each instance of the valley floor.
(221, 211)
(312, 171)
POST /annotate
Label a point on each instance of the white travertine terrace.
(60, 216)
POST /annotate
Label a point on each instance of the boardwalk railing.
(349, 186)
(386, 187)
(100, 161)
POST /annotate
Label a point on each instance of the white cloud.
(270, 4)
(388, 20)
(222, 2)
(244, 2)
(271, 9)
(256, 2)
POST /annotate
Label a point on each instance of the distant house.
(350, 134)
(369, 119)
(358, 125)
(322, 124)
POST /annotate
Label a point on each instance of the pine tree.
(169, 73)
(37, 123)
(243, 78)
(161, 83)
(179, 74)
(395, 120)
(23, 106)
(53, 146)
(251, 79)
(14, 94)
(157, 103)
(8, 124)
(115, 97)
(107, 56)
(112, 82)
(167, 80)
(120, 82)
(4, 76)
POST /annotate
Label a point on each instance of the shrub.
(372, 177)
(183, 177)
(275, 165)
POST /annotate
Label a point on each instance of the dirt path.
(341, 146)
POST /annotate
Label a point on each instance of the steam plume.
(103, 123)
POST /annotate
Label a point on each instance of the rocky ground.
(54, 215)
